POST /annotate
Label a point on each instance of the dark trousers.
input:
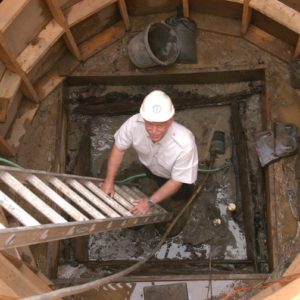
(184, 193)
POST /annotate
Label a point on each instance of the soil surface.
(37, 151)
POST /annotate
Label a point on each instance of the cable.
(10, 163)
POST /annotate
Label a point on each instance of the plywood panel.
(84, 9)
(48, 61)
(12, 110)
(221, 8)
(278, 12)
(274, 28)
(31, 55)
(9, 86)
(102, 40)
(28, 23)
(146, 7)
(96, 23)
(269, 43)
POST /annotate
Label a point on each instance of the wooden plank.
(217, 24)
(57, 199)
(14, 278)
(60, 19)
(9, 10)
(269, 43)
(6, 292)
(242, 169)
(63, 188)
(18, 129)
(84, 9)
(21, 31)
(12, 110)
(31, 55)
(246, 18)
(102, 40)
(17, 211)
(6, 55)
(186, 9)
(2, 69)
(294, 268)
(5, 148)
(9, 86)
(297, 50)
(202, 76)
(31, 198)
(290, 291)
(279, 12)
(124, 13)
(48, 83)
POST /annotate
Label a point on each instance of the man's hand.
(108, 188)
(141, 208)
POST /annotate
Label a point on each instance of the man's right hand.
(108, 188)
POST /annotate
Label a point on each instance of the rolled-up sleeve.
(185, 169)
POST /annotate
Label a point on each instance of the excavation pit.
(232, 101)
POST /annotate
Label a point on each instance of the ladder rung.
(124, 194)
(155, 208)
(110, 201)
(91, 197)
(123, 201)
(31, 198)
(132, 193)
(17, 211)
(57, 199)
(63, 188)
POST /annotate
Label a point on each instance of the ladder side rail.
(57, 199)
(31, 198)
(16, 211)
(21, 174)
(82, 203)
(30, 235)
(109, 200)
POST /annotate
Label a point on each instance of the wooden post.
(297, 51)
(6, 55)
(61, 20)
(246, 18)
(185, 6)
(124, 13)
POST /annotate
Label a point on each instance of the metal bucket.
(156, 45)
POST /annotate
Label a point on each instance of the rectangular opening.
(229, 100)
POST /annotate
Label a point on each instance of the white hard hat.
(157, 107)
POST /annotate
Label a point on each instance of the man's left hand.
(141, 208)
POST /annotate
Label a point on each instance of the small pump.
(217, 145)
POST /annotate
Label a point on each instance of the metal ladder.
(49, 206)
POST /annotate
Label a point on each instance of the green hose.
(130, 178)
(10, 163)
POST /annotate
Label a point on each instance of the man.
(165, 148)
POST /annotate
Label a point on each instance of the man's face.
(157, 130)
